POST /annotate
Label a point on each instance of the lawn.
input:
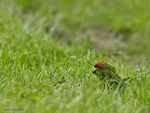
(48, 48)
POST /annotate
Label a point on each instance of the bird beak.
(94, 70)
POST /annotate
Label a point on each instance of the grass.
(43, 43)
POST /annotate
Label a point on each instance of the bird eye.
(100, 67)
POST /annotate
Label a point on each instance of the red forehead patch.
(97, 64)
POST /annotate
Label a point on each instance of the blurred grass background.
(115, 26)
(42, 42)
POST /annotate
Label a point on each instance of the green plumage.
(109, 77)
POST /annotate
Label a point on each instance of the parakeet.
(108, 75)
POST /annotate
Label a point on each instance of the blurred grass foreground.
(48, 47)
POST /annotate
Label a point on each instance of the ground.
(48, 48)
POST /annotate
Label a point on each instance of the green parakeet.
(108, 75)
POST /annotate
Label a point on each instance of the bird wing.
(111, 71)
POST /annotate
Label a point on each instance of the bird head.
(98, 67)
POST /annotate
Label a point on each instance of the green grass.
(45, 42)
